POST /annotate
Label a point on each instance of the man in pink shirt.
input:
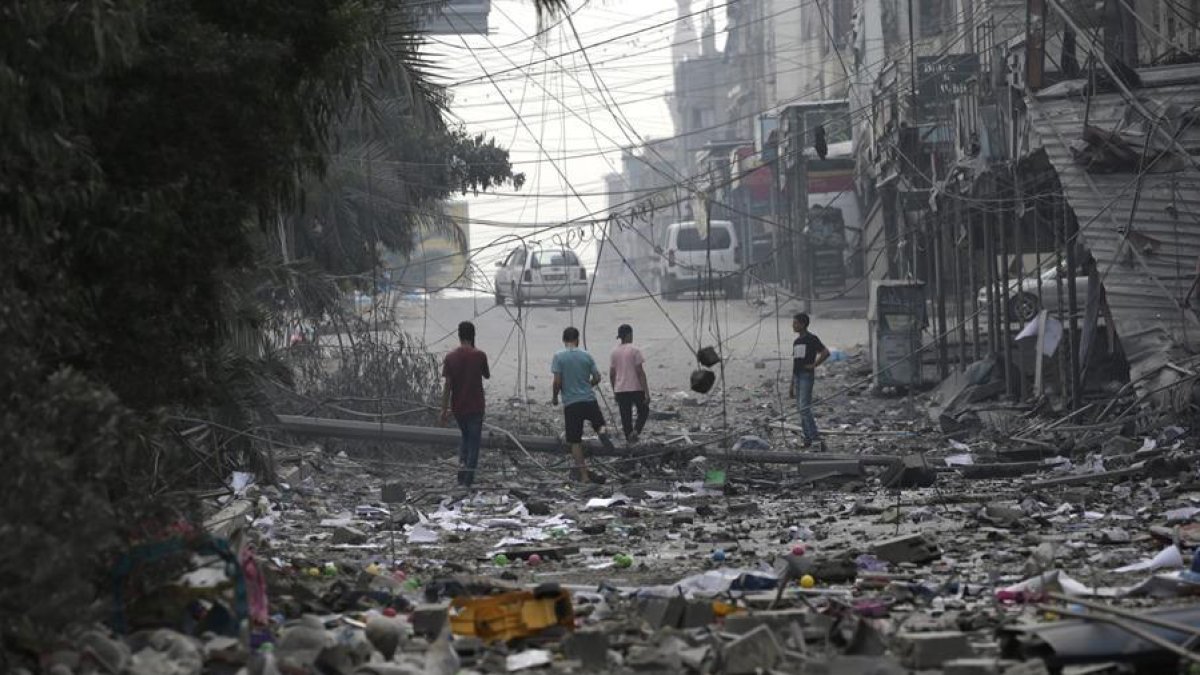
(628, 379)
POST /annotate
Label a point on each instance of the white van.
(685, 256)
(536, 273)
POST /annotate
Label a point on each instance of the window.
(936, 16)
(554, 258)
(689, 239)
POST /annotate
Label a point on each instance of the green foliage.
(144, 143)
(149, 149)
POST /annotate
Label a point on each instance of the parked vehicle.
(1023, 303)
(685, 257)
(533, 273)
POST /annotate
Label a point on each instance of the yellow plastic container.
(511, 616)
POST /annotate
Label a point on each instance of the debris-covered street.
(898, 547)
(373, 337)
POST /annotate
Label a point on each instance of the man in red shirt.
(465, 369)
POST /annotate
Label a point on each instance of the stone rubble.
(677, 565)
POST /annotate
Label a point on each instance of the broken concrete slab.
(348, 535)
(776, 620)
(752, 652)
(977, 666)
(393, 493)
(697, 614)
(912, 471)
(909, 548)
(663, 612)
(922, 651)
(428, 620)
(589, 647)
(855, 665)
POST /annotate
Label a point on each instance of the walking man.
(808, 352)
(575, 374)
(628, 378)
(465, 369)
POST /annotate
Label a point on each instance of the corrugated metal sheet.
(1148, 252)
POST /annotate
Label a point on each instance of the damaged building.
(1042, 188)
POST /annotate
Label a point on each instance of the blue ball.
(718, 555)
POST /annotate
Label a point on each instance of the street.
(750, 335)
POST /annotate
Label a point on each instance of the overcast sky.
(558, 102)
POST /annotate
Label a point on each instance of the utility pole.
(801, 252)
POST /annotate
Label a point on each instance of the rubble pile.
(972, 556)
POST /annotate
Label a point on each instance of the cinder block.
(663, 612)
(909, 548)
(427, 620)
(912, 471)
(930, 650)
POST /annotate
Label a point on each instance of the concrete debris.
(875, 556)
(910, 548)
(923, 651)
(753, 652)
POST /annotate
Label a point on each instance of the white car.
(534, 273)
(686, 255)
(1023, 303)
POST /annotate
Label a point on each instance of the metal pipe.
(960, 315)
(973, 282)
(989, 274)
(319, 426)
(1006, 289)
(1124, 613)
(1072, 309)
(1019, 245)
(937, 249)
(1125, 626)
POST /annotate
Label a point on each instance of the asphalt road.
(747, 335)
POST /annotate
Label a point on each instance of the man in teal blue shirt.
(575, 374)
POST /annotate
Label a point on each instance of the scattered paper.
(1168, 557)
(1054, 333)
(422, 534)
(527, 659)
(508, 542)
(240, 480)
(501, 523)
(1057, 579)
(1183, 514)
(962, 459)
(604, 503)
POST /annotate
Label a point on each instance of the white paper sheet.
(1054, 332)
(1168, 557)
(422, 534)
(603, 503)
(527, 659)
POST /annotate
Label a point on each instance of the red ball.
(533, 559)
(798, 549)
(389, 611)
